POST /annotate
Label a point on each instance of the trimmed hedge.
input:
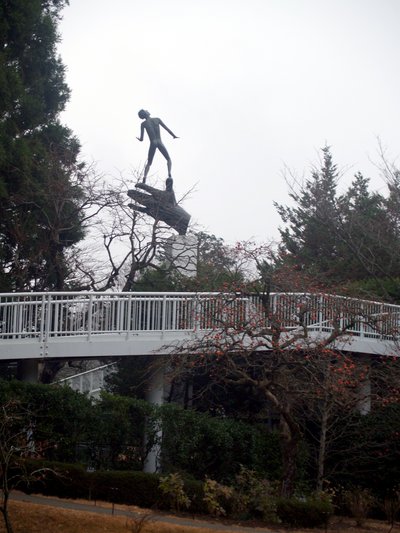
(142, 489)
(130, 488)
(59, 479)
(311, 512)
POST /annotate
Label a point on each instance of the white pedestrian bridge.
(103, 324)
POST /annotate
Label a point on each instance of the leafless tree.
(284, 349)
(16, 444)
(121, 244)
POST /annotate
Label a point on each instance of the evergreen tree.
(355, 236)
(218, 264)
(310, 237)
(39, 169)
(392, 204)
(366, 233)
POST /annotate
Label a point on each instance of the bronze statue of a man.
(152, 127)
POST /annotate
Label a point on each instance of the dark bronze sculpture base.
(161, 205)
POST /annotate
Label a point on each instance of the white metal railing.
(89, 381)
(42, 316)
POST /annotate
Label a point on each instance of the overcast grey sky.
(249, 86)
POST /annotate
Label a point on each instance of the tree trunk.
(4, 511)
(322, 448)
(290, 450)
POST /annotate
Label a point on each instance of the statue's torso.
(152, 126)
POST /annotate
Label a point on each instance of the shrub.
(308, 512)
(195, 491)
(62, 480)
(216, 497)
(254, 497)
(73, 481)
(172, 486)
(391, 507)
(131, 488)
(359, 502)
(370, 449)
(205, 445)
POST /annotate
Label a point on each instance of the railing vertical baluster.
(140, 322)
(90, 318)
(37, 318)
(14, 318)
(42, 319)
(56, 316)
(48, 319)
(122, 315)
(320, 314)
(117, 313)
(343, 316)
(128, 316)
(149, 304)
(175, 313)
(196, 312)
(247, 310)
(362, 321)
(164, 312)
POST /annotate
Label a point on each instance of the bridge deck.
(87, 324)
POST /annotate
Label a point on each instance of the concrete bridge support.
(364, 389)
(155, 396)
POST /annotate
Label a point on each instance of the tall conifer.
(39, 170)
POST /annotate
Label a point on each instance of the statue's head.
(143, 113)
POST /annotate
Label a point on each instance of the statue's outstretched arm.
(141, 133)
(168, 130)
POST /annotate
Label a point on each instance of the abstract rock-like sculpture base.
(161, 205)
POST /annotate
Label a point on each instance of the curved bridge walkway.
(92, 324)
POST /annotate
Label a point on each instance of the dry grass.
(34, 518)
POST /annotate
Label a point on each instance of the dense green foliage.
(146, 490)
(109, 433)
(59, 416)
(73, 481)
(106, 438)
(368, 453)
(39, 171)
(307, 512)
(310, 237)
(341, 238)
(130, 377)
(216, 447)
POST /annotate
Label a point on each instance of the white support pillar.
(364, 390)
(364, 394)
(155, 395)
(181, 253)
